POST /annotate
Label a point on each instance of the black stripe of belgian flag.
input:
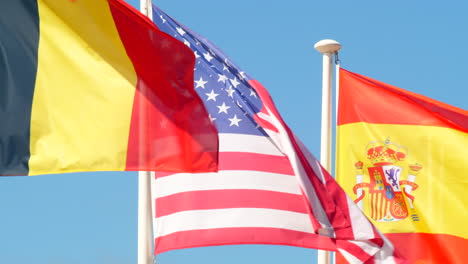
(19, 41)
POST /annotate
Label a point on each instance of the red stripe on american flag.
(245, 235)
(254, 162)
(250, 162)
(220, 199)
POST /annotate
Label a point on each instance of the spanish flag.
(92, 85)
(403, 158)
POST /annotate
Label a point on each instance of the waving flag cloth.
(90, 85)
(269, 188)
(403, 158)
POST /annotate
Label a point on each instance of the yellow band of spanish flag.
(403, 158)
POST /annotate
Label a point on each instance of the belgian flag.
(92, 85)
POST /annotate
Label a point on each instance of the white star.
(212, 96)
(222, 78)
(235, 82)
(225, 68)
(230, 91)
(201, 83)
(252, 93)
(196, 54)
(212, 118)
(162, 19)
(207, 56)
(180, 31)
(187, 43)
(234, 121)
(223, 108)
(242, 75)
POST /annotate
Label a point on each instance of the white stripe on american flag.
(232, 217)
(266, 117)
(247, 143)
(349, 257)
(275, 139)
(361, 227)
(386, 255)
(250, 180)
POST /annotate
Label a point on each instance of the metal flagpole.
(327, 47)
(145, 225)
(337, 98)
(337, 90)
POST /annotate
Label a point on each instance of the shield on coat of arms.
(386, 196)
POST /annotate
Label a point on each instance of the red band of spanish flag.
(92, 85)
(405, 157)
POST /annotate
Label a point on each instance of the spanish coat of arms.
(389, 195)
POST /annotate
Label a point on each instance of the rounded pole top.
(327, 46)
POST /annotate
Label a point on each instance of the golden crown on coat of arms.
(382, 153)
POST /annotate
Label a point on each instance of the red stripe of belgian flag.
(165, 93)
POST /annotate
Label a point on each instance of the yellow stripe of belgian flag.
(80, 56)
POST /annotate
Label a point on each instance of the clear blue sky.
(91, 218)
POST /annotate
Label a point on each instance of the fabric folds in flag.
(403, 158)
(269, 189)
(91, 85)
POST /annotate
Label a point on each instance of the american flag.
(269, 188)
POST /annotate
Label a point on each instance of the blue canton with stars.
(224, 89)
